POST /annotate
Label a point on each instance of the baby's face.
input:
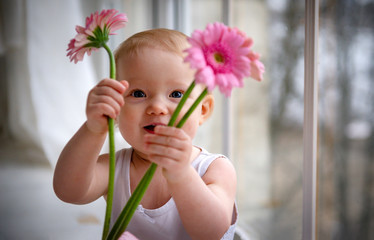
(157, 80)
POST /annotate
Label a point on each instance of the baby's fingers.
(166, 141)
(170, 137)
(104, 105)
(171, 131)
(119, 86)
(164, 151)
(105, 93)
(111, 88)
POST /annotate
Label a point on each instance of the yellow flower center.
(219, 58)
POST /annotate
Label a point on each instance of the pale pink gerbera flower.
(95, 34)
(219, 56)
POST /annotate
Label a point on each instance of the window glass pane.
(204, 12)
(346, 120)
(268, 121)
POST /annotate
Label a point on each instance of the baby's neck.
(138, 161)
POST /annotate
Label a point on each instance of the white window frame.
(310, 119)
(227, 136)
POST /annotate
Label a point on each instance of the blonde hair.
(163, 39)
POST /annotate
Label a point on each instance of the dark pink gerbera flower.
(221, 57)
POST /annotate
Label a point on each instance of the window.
(265, 135)
(346, 120)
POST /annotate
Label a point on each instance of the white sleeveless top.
(162, 223)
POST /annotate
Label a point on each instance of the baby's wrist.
(177, 177)
(94, 130)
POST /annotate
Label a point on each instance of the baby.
(192, 193)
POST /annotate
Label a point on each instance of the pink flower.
(127, 236)
(221, 57)
(257, 67)
(95, 34)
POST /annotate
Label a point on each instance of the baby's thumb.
(125, 83)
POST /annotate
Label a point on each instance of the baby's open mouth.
(150, 128)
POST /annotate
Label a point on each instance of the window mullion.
(310, 119)
(227, 105)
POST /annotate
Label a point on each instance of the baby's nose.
(157, 107)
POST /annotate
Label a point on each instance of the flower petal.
(196, 58)
(257, 70)
(88, 38)
(213, 33)
(205, 76)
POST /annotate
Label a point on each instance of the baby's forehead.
(153, 61)
(144, 49)
(149, 55)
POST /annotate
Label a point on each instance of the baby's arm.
(81, 175)
(205, 205)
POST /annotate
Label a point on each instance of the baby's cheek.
(126, 123)
(191, 127)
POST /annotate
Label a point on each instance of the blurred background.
(42, 104)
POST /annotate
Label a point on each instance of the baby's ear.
(207, 107)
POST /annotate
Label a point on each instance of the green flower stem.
(133, 202)
(112, 152)
(112, 63)
(130, 207)
(181, 103)
(192, 108)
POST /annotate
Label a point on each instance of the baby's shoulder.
(221, 173)
(221, 163)
(214, 164)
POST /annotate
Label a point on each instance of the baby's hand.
(170, 148)
(105, 99)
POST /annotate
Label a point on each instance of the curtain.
(44, 95)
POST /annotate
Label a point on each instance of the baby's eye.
(176, 94)
(138, 94)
